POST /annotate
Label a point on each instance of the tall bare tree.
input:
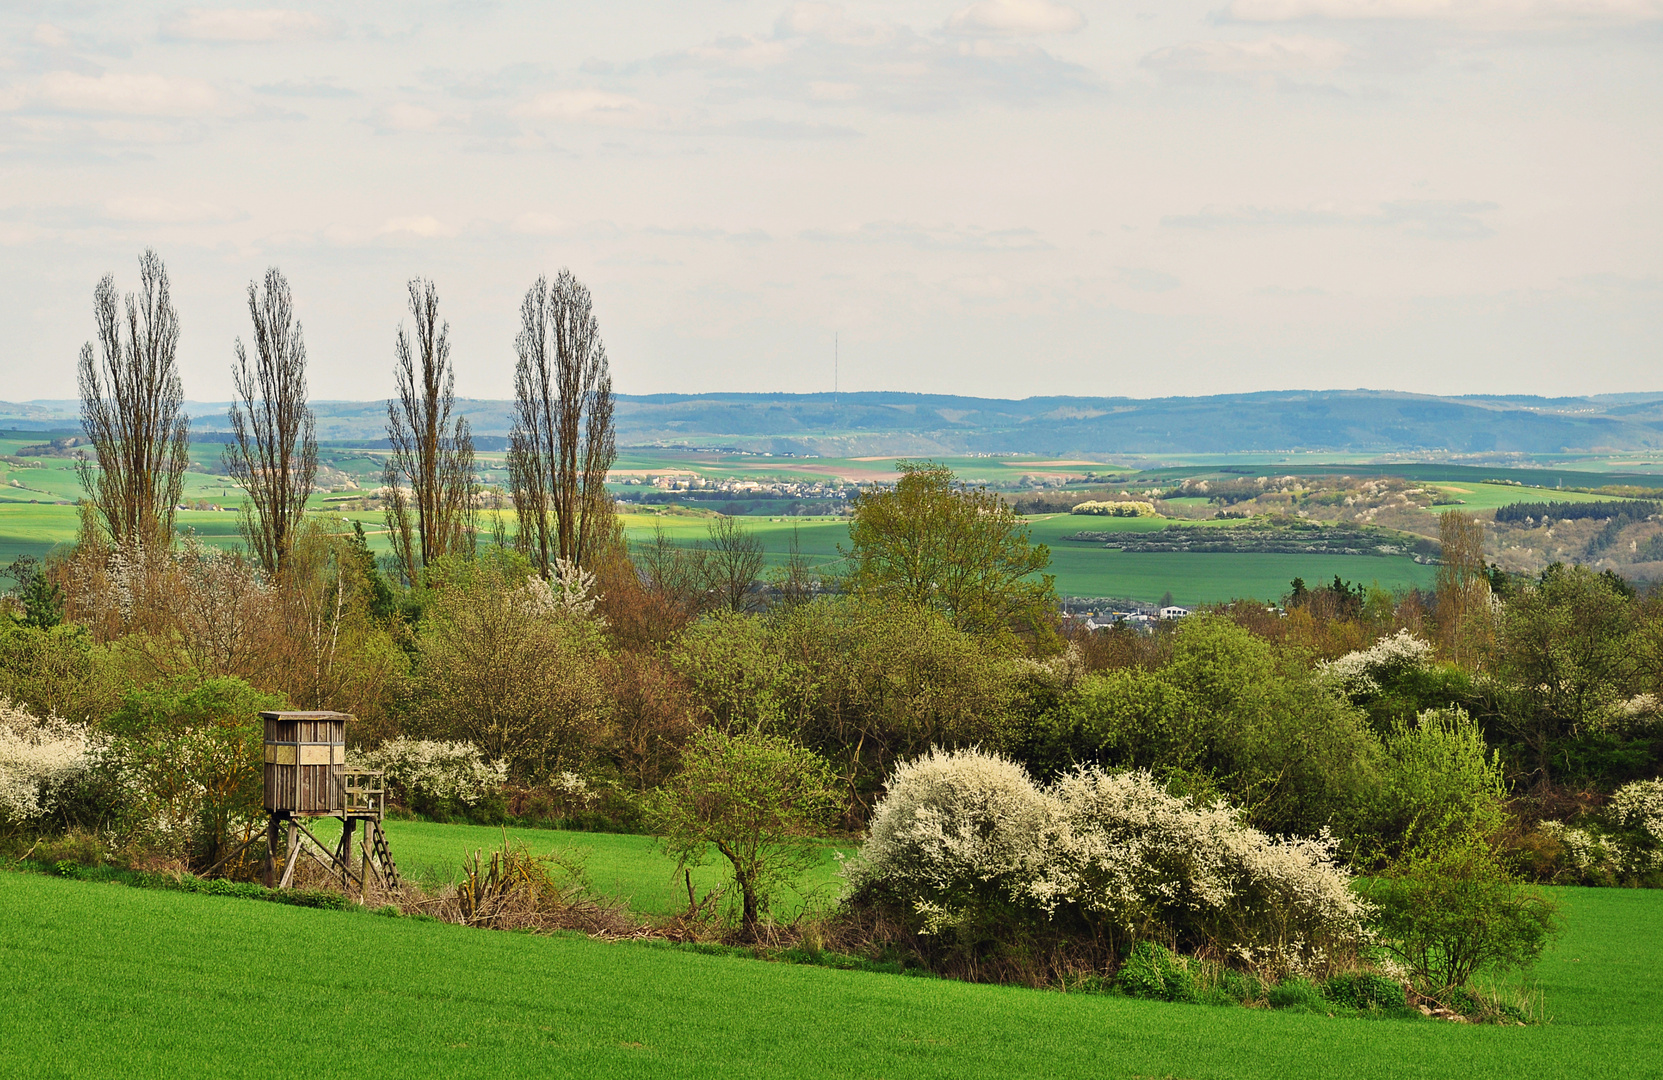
(429, 477)
(1465, 619)
(733, 563)
(562, 443)
(275, 455)
(132, 410)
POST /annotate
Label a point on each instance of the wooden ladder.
(383, 853)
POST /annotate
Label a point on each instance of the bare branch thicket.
(275, 455)
(132, 410)
(794, 580)
(732, 564)
(429, 477)
(676, 574)
(562, 443)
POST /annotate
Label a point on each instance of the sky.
(994, 197)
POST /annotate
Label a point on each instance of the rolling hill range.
(878, 423)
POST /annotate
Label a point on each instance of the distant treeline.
(1624, 509)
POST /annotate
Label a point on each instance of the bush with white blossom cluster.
(422, 770)
(1628, 845)
(965, 838)
(1120, 508)
(41, 760)
(1359, 673)
(1640, 806)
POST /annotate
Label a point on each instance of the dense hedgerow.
(971, 854)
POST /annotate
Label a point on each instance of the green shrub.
(1452, 911)
(193, 752)
(1365, 990)
(1238, 987)
(1152, 971)
(1297, 994)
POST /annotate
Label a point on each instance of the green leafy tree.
(195, 752)
(1570, 649)
(41, 597)
(758, 800)
(934, 542)
(888, 680)
(1439, 780)
(1450, 910)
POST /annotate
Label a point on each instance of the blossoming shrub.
(1626, 847)
(957, 831)
(1122, 508)
(436, 778)
(968, 849)
(1363, 672)
(43, 764)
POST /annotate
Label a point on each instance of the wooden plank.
(289, 859)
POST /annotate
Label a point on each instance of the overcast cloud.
(1001, 197)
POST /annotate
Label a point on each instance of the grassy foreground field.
(104, 981)
(632, 868)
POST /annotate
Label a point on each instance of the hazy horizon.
(995, 198)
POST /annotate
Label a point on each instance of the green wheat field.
(100, 980)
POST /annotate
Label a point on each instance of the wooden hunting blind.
(306, 776)
(305, 755)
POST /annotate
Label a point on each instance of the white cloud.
(1435, 218)
(1143, 279)
(151, 209)
(423, 225)
(402, 116)
(821, 54)
(1241, 57)
(937, 237)
(1016, 18)
(589, 107)
(833, 91)
(538, 223)
(114, 93)
(828, 23)
(748, 51)
(52, 37)
(1477, 10)
(232, 24)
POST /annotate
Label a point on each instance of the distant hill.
(1365, 421)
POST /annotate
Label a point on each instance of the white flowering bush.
(1639, 806)
(1360, 673)
(965, 839)
(1639, 715)
(955, 828)
(41, 761)
(1123, 508)
(428, 772)
(571, 593)
(1622, 845)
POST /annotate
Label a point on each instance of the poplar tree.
(132, 410)
(275, 453)
(428, 478)
(562, 443)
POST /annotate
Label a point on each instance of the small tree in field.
(758, 800)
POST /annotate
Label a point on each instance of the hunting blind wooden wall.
(305, 753)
